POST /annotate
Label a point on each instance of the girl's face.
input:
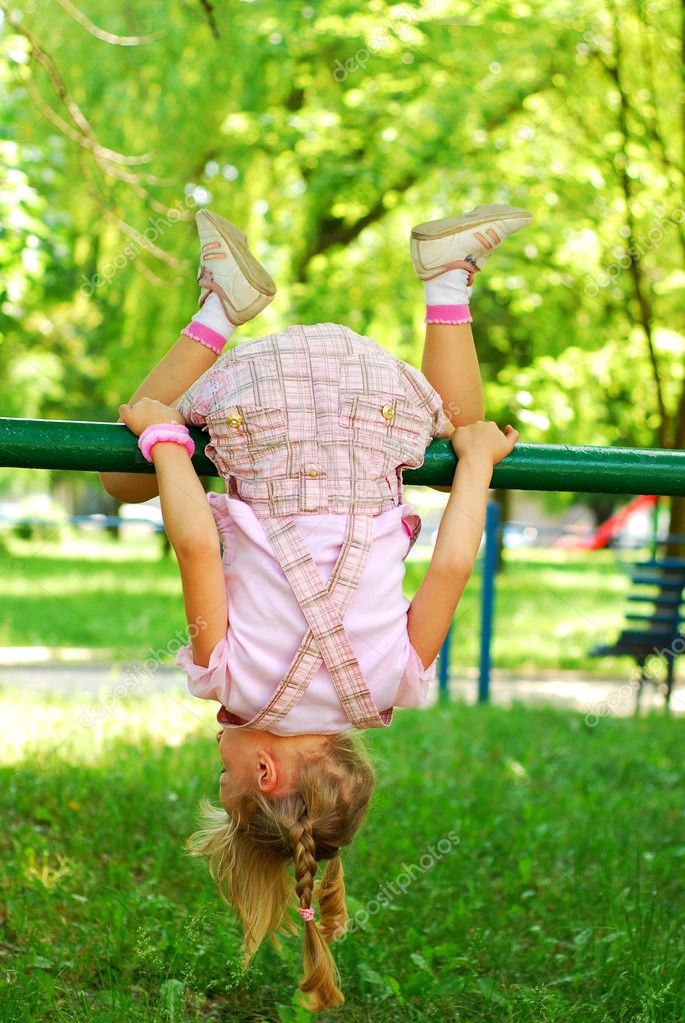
(239, 775)
(257, 761)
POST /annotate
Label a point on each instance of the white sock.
(447, 298)
(448, 289)
(210, 325)
(212, 315)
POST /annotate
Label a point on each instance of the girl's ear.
(268, 778)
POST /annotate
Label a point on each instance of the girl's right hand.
(484, 440)
(147, 412)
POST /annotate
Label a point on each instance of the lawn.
(122, 599)
(517, 866)
(551, 607)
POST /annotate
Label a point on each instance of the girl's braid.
(304, 858)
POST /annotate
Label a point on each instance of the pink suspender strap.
(323, 606)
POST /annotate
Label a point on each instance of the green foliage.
(327, 130)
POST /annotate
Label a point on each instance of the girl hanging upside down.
(292, 579)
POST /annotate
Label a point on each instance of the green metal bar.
(111, 447)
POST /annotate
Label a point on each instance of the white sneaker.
(465, 241)
(228, 268)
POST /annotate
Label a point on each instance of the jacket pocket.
(388, 415)
(244, 427)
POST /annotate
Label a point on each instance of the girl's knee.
(129, 488)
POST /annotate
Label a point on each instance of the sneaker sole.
(450, 225)
(254, 272)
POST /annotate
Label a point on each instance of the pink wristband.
(176, 432)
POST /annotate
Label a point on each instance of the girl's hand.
(146, 412)
(484, 440)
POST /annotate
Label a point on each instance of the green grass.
(551, 606)
(118, 597)
(558, 897)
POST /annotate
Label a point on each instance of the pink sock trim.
(448, 314)
(205, 335)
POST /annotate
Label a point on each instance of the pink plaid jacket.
(316, 419)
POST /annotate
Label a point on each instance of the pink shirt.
(266, 624)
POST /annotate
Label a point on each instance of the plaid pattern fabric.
(317, 419)
(296, 421)
(323, 606)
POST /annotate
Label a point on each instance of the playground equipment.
(111, 447)
(610, 528)
(658, 582)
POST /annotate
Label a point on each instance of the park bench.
(658, 582)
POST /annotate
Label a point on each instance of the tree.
(326, 131)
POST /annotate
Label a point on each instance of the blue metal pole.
(444, 667)
(488, 598)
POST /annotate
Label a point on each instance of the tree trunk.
(676, 526)
(114, 529)
(503, 498)
(676, 548)
(165, 548)
(670, 430)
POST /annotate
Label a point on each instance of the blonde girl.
(292, 579)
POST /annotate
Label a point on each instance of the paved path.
(594, 697)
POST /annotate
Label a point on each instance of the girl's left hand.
(146, 412)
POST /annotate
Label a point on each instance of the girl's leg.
(172, 376)
(449, 361)
(234, 287)
(446, 254)
(450, 364)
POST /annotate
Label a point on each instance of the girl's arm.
(478, 446)
(176, 371)
(192, 532)
(191, 529)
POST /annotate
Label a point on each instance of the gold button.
(312, 472)
(234, 419)
(388, 411)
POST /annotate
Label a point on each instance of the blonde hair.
(249, 853)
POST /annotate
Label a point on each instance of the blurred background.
(326, 131)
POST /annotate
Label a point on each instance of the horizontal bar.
(666, 563)
(663, 582)
(111, 447)
(658, 619)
